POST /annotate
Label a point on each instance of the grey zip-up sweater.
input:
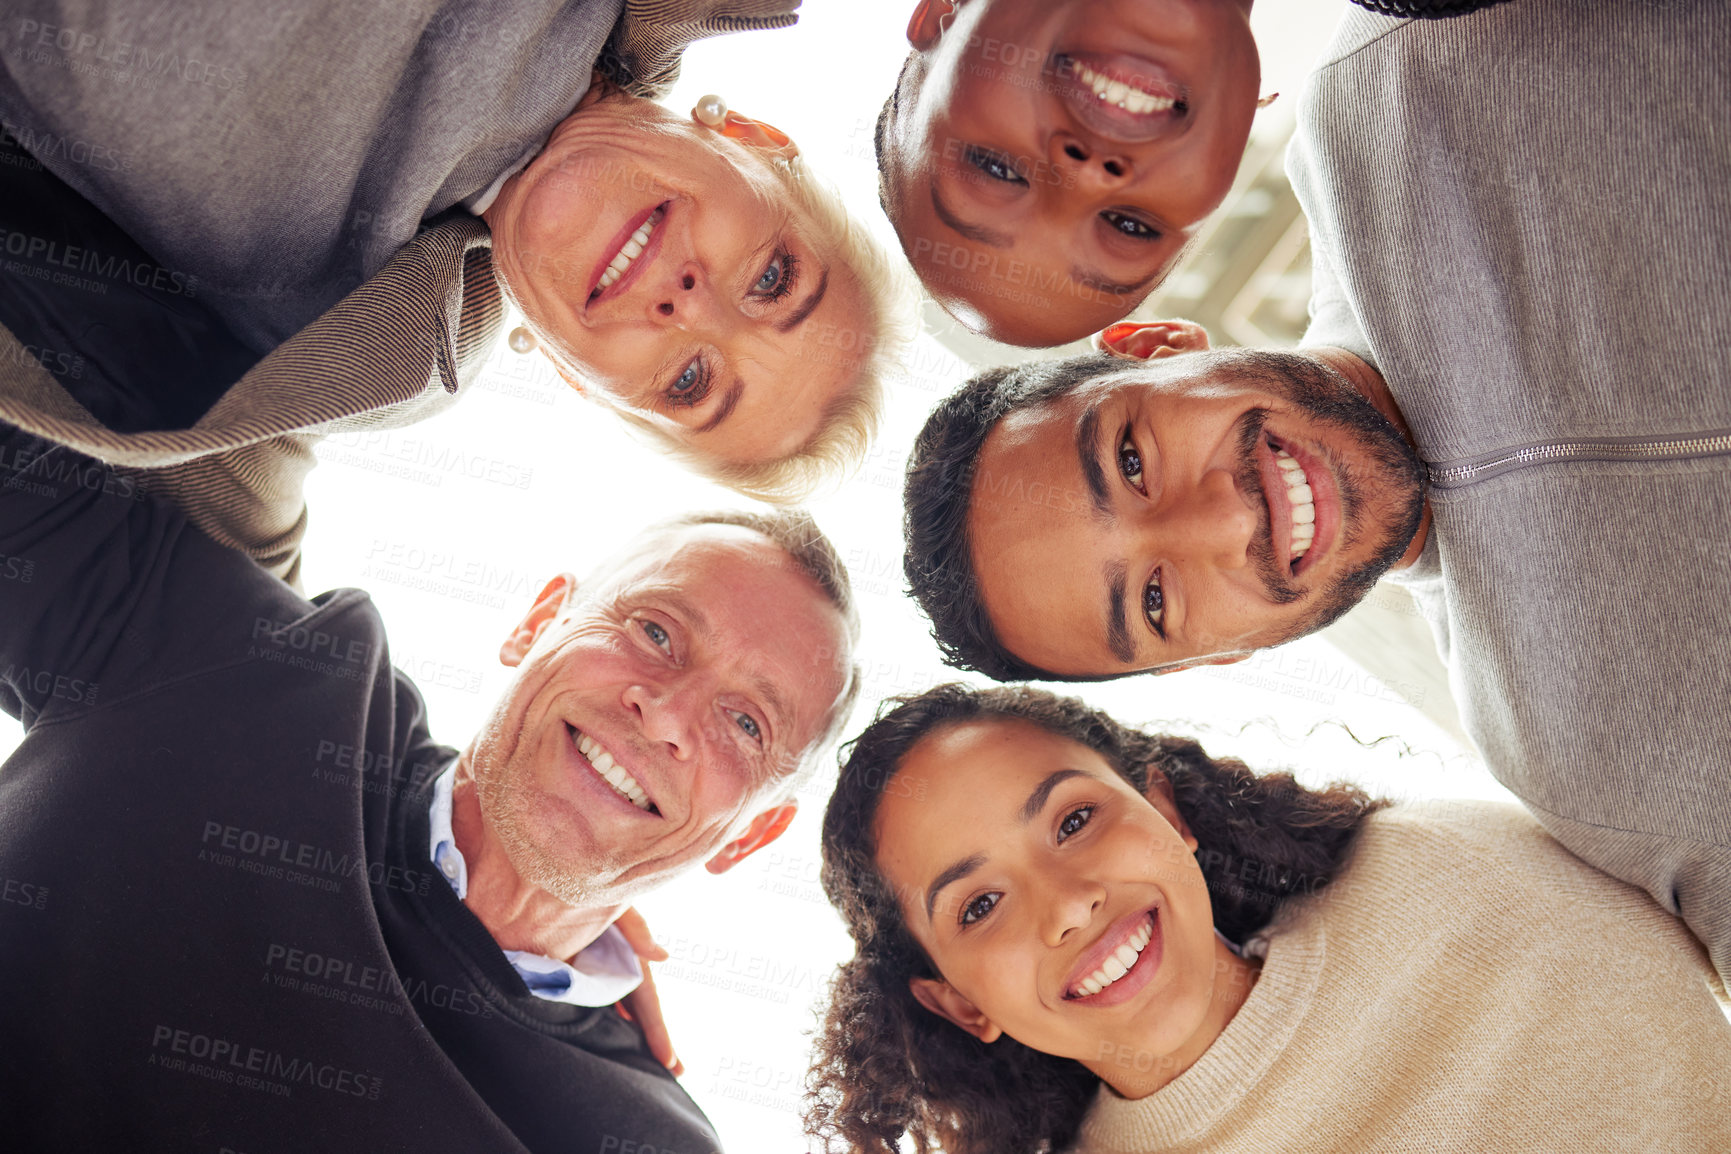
(1522, 218)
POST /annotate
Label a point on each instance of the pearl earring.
(711, 110)
(1267, 100)
(521, 340)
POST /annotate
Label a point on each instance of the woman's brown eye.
(1130, 226)
(1074, 821)
(978, 908)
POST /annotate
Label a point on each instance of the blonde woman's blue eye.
(770, 279)
(687, 380)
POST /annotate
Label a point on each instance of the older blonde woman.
(318, 203)
(693, 275)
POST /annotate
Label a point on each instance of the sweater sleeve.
(106, 592)
(74, 535)
(1334, 322)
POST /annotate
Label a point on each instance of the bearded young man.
(1521, 299)
(251, 903)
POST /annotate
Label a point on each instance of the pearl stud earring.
(711, 110)
(521, 340)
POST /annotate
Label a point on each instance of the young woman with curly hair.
(1073, 935)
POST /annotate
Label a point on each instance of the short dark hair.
(939, 563)
(886, 124)
(885, 1067)
(797, 533)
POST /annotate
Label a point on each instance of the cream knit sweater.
(1466, 985)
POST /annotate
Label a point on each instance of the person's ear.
(754, 133)
(946, 1002)
(1150, 340)
(931, 19)
(553, 598)
(764, 828)
(1160, 796)
(1232, 658)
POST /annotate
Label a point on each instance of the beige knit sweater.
(1466, 985)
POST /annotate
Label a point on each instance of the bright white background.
(453, 561)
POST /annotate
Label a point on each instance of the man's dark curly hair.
(885, 1067)
(937, 494)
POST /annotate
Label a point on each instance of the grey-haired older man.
(256, 906)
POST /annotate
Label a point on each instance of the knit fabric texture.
(1466, 984)
(1543, 279)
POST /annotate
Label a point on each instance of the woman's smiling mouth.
(630, 255)
(1121, 963)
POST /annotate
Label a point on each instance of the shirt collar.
(602, 972)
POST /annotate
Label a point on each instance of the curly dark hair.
(885, 1067)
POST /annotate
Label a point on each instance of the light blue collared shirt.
(602, 972)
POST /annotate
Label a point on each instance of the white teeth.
(1129, 98)
(629, 251)
(1118, 963)
(623, 783)
(1303, 501)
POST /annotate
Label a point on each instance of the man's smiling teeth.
(1117, 92)
(623, 783)
(629, 252)
(1118, 964)
(1302, 500)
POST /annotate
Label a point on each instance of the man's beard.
(508, 807)
(1395, 481)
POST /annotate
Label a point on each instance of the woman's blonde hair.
(875, 341)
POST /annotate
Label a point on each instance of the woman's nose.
(1094, 168)
(685, 300)
(1071, 903)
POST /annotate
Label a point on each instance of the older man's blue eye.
(749, 724)
(657, 635)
